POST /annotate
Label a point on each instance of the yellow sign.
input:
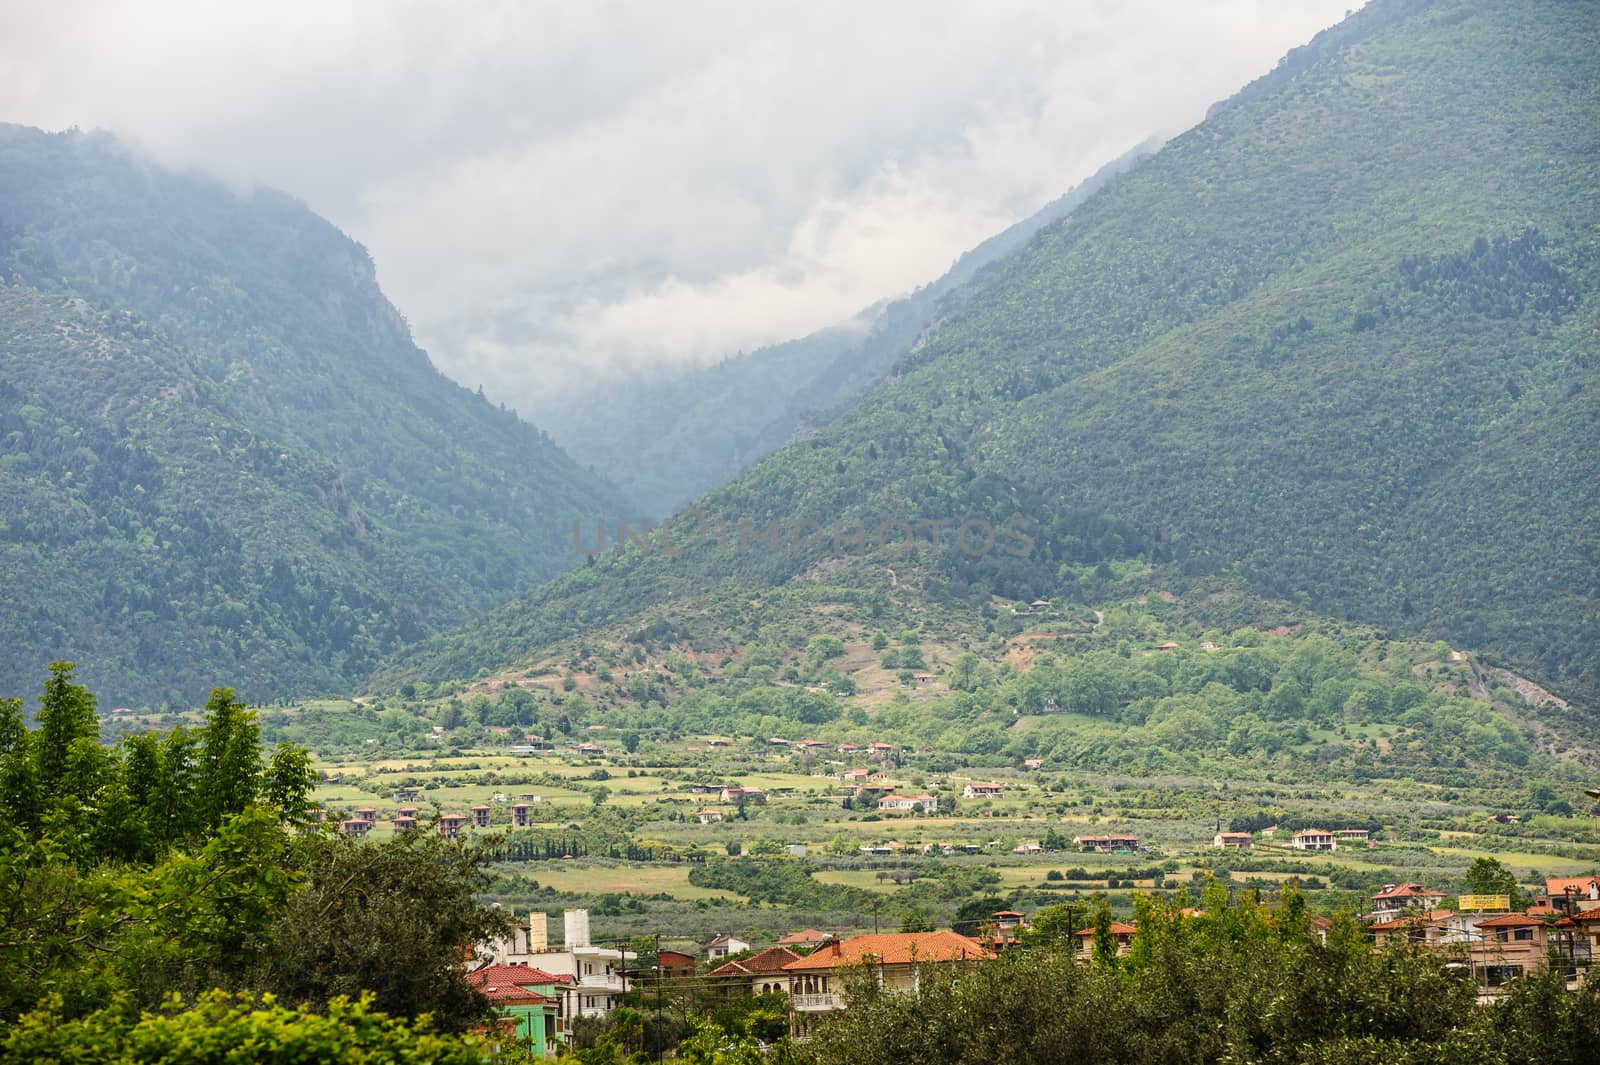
(1484, 902)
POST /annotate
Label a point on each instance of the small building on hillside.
(983, 790)
(1352, 835)
(480, 816)
(521, 814)
(1233, 841)
(1108, 844)
(709, 817)
(357, 827)
(911, 804)
(404, 824)
(719, 946)
(367, 813)
(450, 825)
(1313, 839)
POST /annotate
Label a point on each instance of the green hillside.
(223, 457)
(1337, 340)
(665, 436)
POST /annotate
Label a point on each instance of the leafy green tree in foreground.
(226, 1028)
(389, 918)
(168, 870)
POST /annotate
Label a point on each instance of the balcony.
(593, 983)
(816, 1003)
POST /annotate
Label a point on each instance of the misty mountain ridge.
(665, 435)
(225, 459)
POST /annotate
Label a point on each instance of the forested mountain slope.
(1337, 339)
(221, 456)
(668, 435)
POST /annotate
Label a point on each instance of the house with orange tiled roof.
(1395, 899)
(916, 804)
(805, 939)
(1585, 934)
(1314, 839)
(1572, 894)
(1423, 927)
(896, 959)
(1121, 933)
(527, 1003)
(760, 974)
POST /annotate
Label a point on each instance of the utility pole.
(660, 1048)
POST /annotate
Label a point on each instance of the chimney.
(577, 928)
(538, 931)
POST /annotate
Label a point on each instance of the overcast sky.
(551, 190)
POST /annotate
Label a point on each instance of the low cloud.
(556, 191)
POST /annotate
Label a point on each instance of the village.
(537, 987)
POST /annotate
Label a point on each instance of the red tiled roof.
(1587, 916)
(500, 983)
(1558, 885)
(1511, 920)
(1410, 920)
(892, 948)
(807, 935)
(1408, 891)
(771, 960)
(1117, 929)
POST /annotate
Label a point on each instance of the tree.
(347, 1031)
(915, 920)
(1487, 876)
(288, 782)
(1105, 944)
(390, 918)
(973, 914)
(21, 804)
(230, 758)
(66, 716)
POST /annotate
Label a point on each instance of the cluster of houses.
(878, 751)
(1499, 944)
(363, 819)
(537, 988)
(1308, 839)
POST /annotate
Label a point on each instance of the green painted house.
(528, 1002)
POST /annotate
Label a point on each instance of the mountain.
(1336, 341)
(224, 460)
(668, 435)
